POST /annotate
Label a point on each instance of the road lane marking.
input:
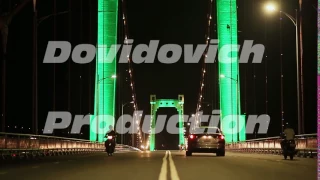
(2, 173)
(56, 163)
(173, 169)
(34, 167)
(163, 172)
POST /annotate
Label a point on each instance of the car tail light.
(221, 137)
(191, 136)
(110, 137)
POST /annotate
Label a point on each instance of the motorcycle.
(288, 149)
(110, 145)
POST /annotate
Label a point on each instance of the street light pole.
(36, 23)
(295, 23)
(238, 108)
(238, 112)
(271, 7)
(35, 73)
(122, 124)
(298, 75)
(97, 106)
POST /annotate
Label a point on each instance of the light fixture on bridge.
(270, 7)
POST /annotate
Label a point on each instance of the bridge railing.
(40, 142)
(24, 145)
(306, 145)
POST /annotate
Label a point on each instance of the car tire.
(222, 153)
(188, 153)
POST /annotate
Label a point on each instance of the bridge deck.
(146, 165)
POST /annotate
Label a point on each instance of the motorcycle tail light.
(110, 137)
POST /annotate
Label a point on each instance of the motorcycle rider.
(112, 133)
(289, 135)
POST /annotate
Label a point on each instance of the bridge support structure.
(166, 103)
(106, 67)
(230, 105)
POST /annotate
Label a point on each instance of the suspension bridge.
(228, 87)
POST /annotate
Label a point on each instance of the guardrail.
(30, 146)
(306, 145)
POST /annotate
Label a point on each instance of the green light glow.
(105, 89)
(229, 98)
(242, 127)
(166, 103)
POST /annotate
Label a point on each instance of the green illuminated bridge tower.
(166, 103)
(105, 69)
(229, 71)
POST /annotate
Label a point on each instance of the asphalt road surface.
(161, 165)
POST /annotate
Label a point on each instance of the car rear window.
(205, 130)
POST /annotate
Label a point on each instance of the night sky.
(170, 21)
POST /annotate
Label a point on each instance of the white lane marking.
(34, 167)
(2, 173)
(173, 170)
(56, 163)
(163, 172)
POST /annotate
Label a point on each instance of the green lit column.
(181, 118)
(105, 67)
(229, 99)
(152, 136)
(181, 128)
(153, 129)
